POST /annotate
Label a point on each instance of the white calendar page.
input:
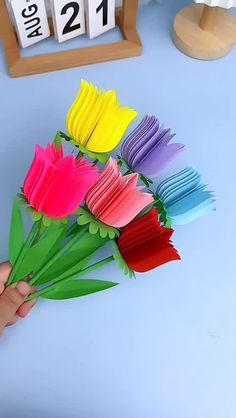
(68, 19)
(100, 16)
(31, 21)
(31, 18)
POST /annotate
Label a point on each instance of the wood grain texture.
(212, 44)
(18, 66)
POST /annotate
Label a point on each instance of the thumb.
(10, 301)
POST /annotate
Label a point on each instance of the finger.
(10, 301)
(13, 321)
(25, 309)
(2, 287)
(5, 270)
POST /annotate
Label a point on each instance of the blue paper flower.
(185, 197)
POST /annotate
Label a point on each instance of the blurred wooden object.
(208, 18)
(18, 66)
(204, 32)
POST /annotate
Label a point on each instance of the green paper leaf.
(16, 239)
(122, 264)
(60, 240)
(23, 199)
(74, 143)
(73, 229)
(46, 220)
(38, 254)
(146, 180)
(101, 157)
(168, 223)
(36, 216)
(89, 243)
(64, 221)
(164, 218)
(75, 260)
(56, 222)
(145, 210)
(64, 136)
(57, 140)
(76, 288)
(143, 178)
(122, 162)
(95, 226)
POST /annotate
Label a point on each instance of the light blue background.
(162, 346)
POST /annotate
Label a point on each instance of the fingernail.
(23, 288)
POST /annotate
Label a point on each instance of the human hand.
(12, 305)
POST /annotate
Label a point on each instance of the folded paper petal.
(56, 185)
(116, 199)
(96, 120)
(185, 197)
(145, 244)
(147, 150)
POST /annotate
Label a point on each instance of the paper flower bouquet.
(85, 200)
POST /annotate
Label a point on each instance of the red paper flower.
(56, 185)
(116, 199)
(145, 244)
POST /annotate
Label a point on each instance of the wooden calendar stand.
(18, 66)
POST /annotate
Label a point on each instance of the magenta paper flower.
(56, 185)
(115, 199)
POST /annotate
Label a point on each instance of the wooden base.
(18, 66)
(202, 44)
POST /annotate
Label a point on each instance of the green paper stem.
(17, 231)
(128, 172)
(142, 177)
(23, 252)
(146, 181)
(71, 277)
(56, 257)
(42, 228)
(72, 229)
(80, 154)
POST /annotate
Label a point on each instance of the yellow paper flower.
(96, 120)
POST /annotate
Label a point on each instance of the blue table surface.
(163, 345)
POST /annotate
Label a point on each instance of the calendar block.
(100, 16)
(68, 19)
(31, 21)
(129, 46)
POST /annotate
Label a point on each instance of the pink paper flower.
(56, 185)
(116, 199)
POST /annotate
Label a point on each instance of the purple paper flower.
(147, 150)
